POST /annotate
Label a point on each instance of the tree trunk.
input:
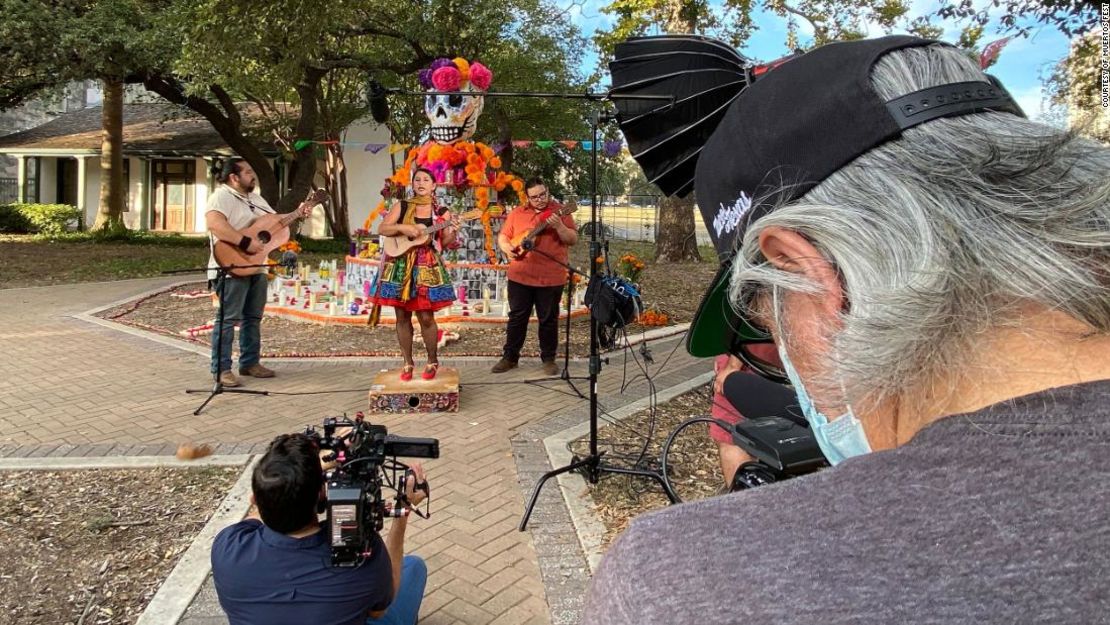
(109, 215)
(340, 201)
(335, 181)
(304, 171)
(676, 239)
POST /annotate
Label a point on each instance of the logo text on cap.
(728, 217)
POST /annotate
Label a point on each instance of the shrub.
(45, 218)
(11, 220)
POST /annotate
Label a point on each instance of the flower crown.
(452, 74)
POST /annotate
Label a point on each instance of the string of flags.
(608, 148)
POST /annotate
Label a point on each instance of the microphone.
(379, 107)
(289, 259)
(756, 397)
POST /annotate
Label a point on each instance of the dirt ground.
(696, 472)
(83, 547)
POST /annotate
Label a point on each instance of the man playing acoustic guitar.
(536, 276)
(232, 208)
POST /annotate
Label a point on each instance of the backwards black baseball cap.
(793, 127)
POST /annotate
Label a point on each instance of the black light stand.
(217, 386)
(591, 466)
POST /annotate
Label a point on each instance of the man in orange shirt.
(536, 279)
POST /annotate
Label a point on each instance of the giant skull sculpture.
(454, 117)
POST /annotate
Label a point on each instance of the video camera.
(354, 504)
(773, 432)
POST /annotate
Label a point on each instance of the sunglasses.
(760, 356)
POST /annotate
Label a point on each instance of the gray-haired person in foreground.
(935, 269)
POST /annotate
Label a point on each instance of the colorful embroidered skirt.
(417, 280)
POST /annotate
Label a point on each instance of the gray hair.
(945, 233)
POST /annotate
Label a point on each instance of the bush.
(47, 219)
(11, 220)
(323, 246)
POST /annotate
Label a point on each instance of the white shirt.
(240, 210)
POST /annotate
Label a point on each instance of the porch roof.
(148, 128)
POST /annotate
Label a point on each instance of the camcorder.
(773, 431)
(361, 458)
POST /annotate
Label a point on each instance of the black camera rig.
(773, 431)
(362, 459)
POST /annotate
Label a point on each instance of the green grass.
(29, 260)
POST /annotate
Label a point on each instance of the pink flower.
(446, 79)
(480, 76)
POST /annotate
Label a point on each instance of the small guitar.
(270, 230)
(397, 244)
(524, 241)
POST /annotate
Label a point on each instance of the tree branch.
(228, 105)
(817, 27)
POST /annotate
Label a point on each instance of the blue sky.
(1021, 66)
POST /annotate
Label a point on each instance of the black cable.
(670, 441)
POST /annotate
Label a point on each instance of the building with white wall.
(168, 156)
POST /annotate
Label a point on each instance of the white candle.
(485, 301)
(312, 301)
(331, 308)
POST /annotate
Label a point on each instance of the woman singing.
(417, 281)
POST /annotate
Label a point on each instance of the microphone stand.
(217, 387)
(571, 272)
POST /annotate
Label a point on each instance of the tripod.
(217, 386)
(591, 467)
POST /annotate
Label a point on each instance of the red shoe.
(406, 372)
(430, 371)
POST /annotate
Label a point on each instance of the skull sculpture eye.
(453, 117)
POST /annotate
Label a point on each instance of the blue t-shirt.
(266, 577)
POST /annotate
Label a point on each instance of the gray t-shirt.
(240, 210)
(998, 516)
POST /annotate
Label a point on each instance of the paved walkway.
(75, 388)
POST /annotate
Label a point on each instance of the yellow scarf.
(409, 218)
(410, 262)
(413, 202)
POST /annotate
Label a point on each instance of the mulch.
(93, 546)
(694, 468)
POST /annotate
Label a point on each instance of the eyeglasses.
(760, 355)
(538, 196)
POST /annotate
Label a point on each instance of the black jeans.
(522, 298)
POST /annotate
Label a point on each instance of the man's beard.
(249, 188)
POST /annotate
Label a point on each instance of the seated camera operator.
(935, 270)
(278, 569)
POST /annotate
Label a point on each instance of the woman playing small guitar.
(416, 281)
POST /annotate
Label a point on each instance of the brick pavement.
(73, 388)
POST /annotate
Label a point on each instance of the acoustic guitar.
(395, 245)
(270, 230)
(524, 241)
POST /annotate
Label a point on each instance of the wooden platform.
(389, 394)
